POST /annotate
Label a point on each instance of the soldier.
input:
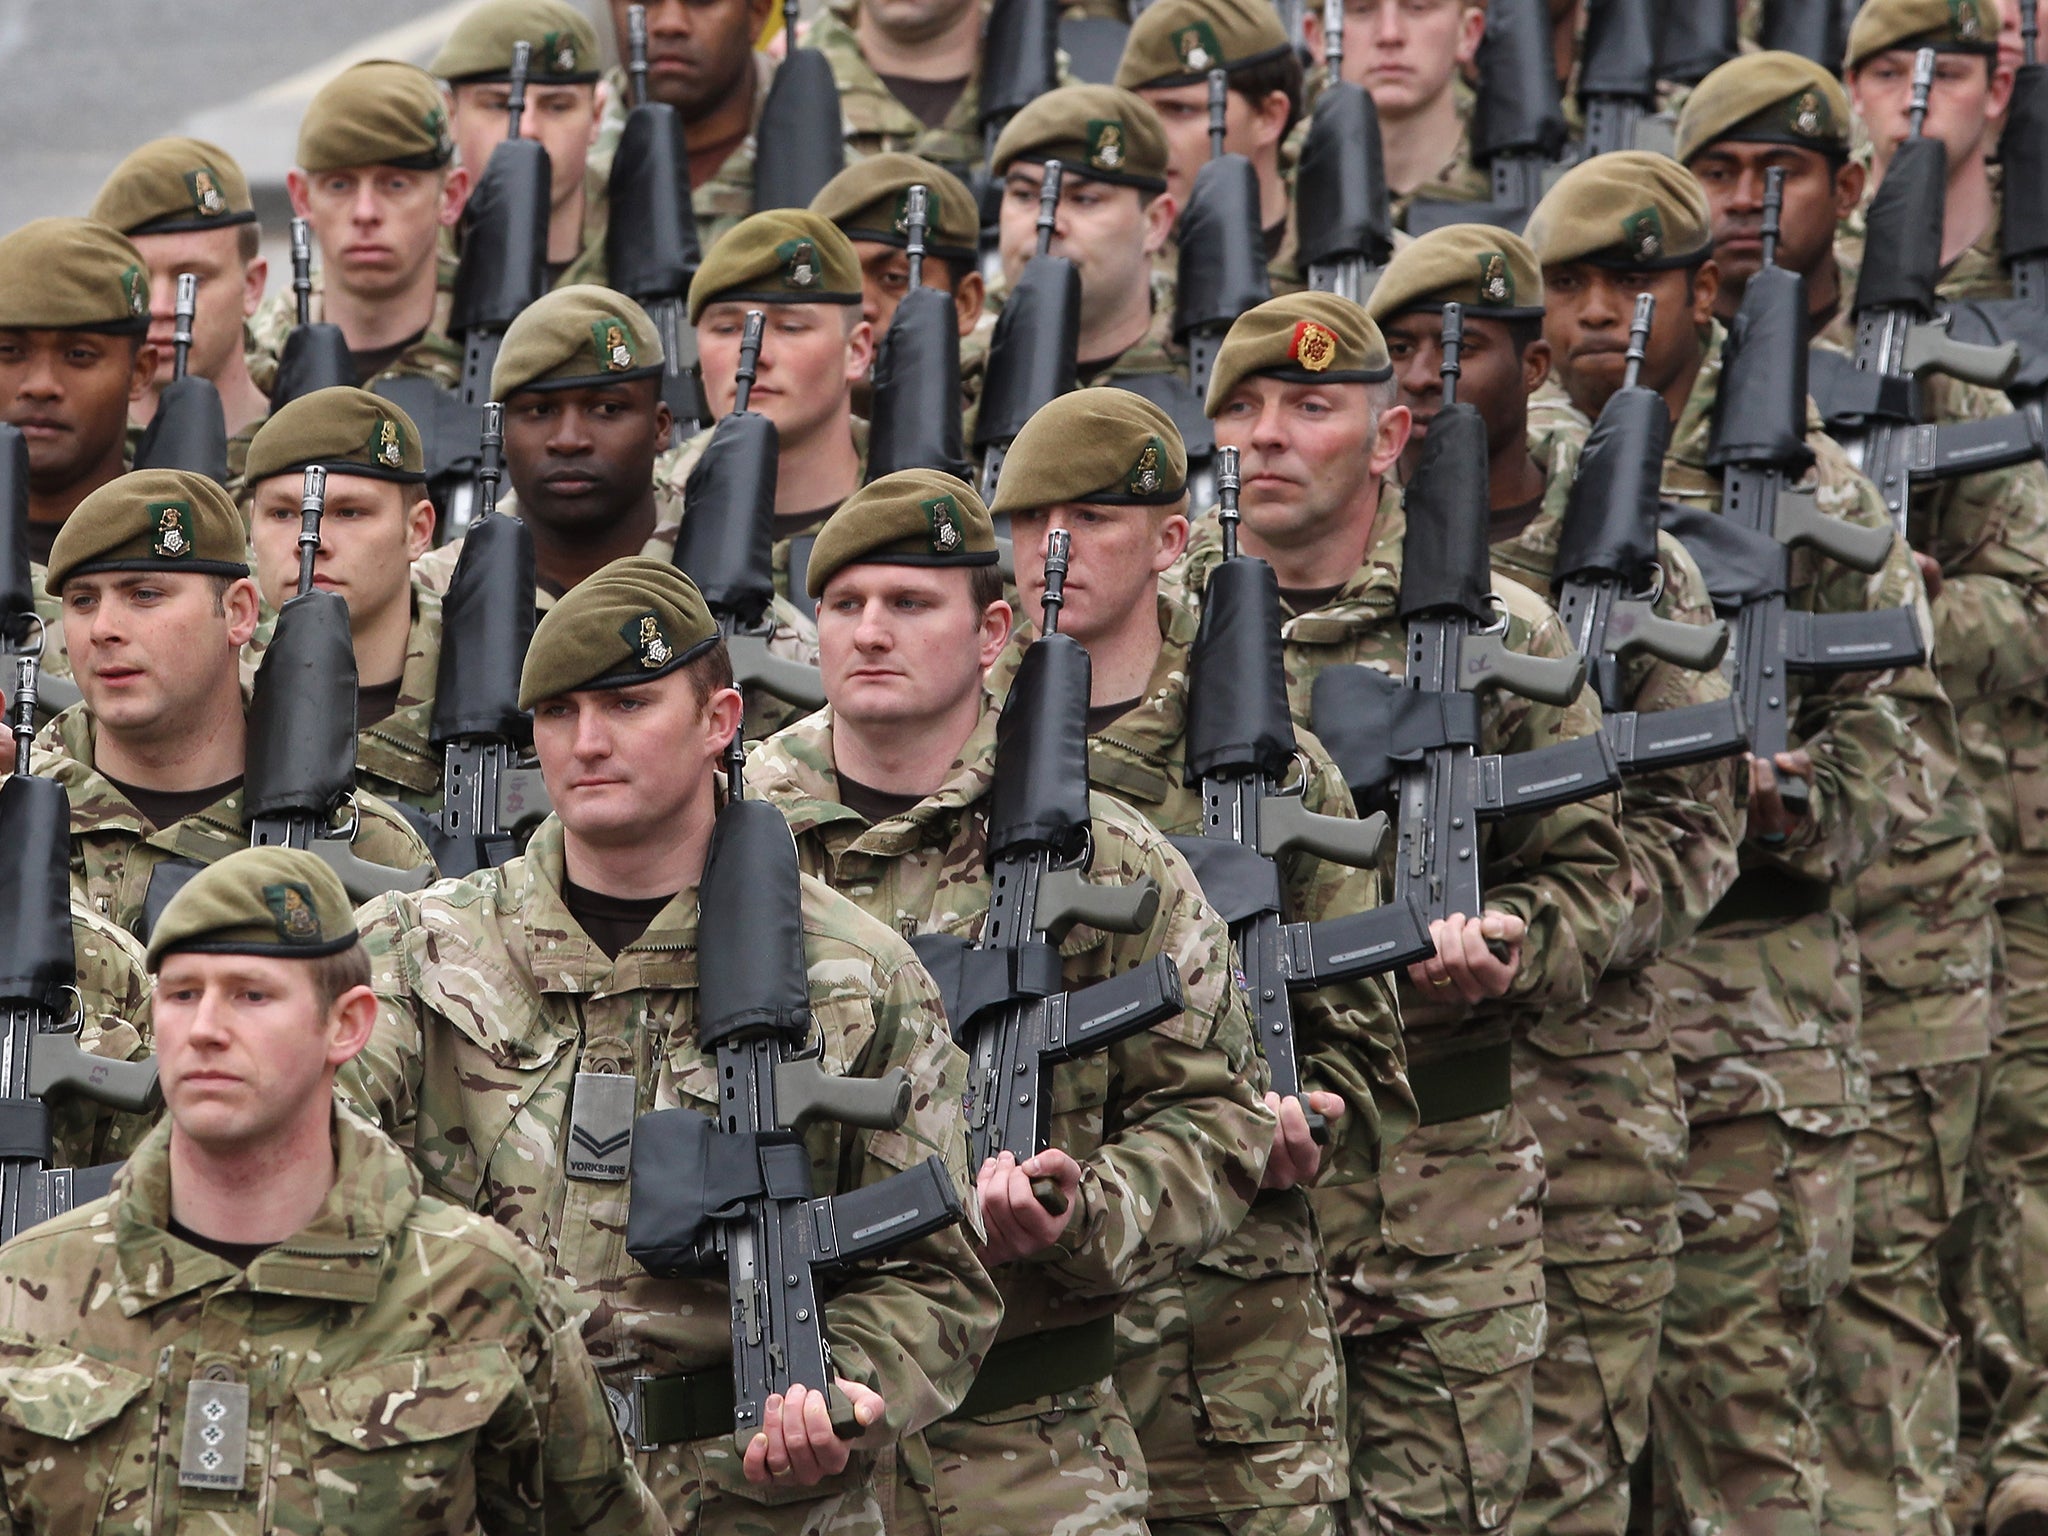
(346, 1350)
(375, 182)
(157, 606)
(1763, 1001)
(1981, 542)
(1172, 47)
(1156, 1143)
(866, 201)
(1599, 1083)
(377, 521)
(564, 102)
(1436, 1264)
(185, 205)
(702, 61)
(1115, 217)
(74, 357)
(908, 76)
(1246, 1439)
(1972, 87)
(577, 961)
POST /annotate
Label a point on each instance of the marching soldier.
(375, 181)
(1436, 1265)
(574, 966)
(340, 1349)
(1156, 1143)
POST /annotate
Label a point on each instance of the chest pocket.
(394, 1446)
(59, 1437)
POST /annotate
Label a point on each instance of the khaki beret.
(170, 186)
(779, 256)
(635, 620)
(151, 520)
(1491, 272)
(480, 48)
(1766, 98)
(1303, 338)
(1948, 26)
(1105, 446)
(72, 275)
(1177, 42)
(582, 334)
(913, 517)
(379, 112)
(1096, 131)
(1631, 210)
(283, 903)
(870, 200)
(345, 430)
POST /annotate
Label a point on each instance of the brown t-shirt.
(875, 805)
(931, 102)
(376, 701)
(166, 807)
(612, 922)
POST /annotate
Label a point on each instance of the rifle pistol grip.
(1064, 899)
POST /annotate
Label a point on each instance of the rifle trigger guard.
(355, 817)
(1656, 588)
(1499, 624)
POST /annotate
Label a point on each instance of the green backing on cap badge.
(1810, 115)
(1962, 16)
(207, 200)
(799, 260)
(387, 444)
(614, 344)
(436, 123)
(942, 515)
(292, 905)
(1197, 48)
(1148, 474)
(135, 284)
(651, 646)
(1496, 282)
(559, 48)
(173, 523)
(1105, 143)
(1643, 235)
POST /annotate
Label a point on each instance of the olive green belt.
(692, 1406)
(1462, 1083)
(1037, 1365)
(1768, 895)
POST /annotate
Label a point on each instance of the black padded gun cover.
(2023, 159)
(799, 143)
(17, 591)
(752, 978)
(314, 357)
(1340, 182)
(504, 240)
(1040, 795)
(1445, 563)
(1032, 350)
(685, 1173)
(486, 624)
(189, 431)
(1222, 248)
(916, 420)
(726, 544)
(1372, 725)
(1610, 520)
(1621, 51)
(1813, 29)
(36, 959)
(650, 244)
(1740, 565)
(302, 713)
(1760, 417)
(1902, 251)
(1020, 57)
(1694, 38)
(1518, 106)
(1237, 696)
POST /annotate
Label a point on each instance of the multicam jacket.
(433, 356)
(876, 122)
(492, 1000)
(113, 994)
(720, 202)
(407, 1368)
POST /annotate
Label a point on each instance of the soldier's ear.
(970, 294)
(141, 369)
(350, 1019)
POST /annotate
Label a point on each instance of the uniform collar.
(662, 958)
(399, 747)
(64, 752)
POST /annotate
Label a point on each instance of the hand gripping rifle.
(1618, 79)
(487, 797)
(1872, 405)
(1518, 126)
(1004, 992)
(733, 1192)
(1608, 580)
(41, 1013)
(314, 356)
(726, 543)
(916, 422)
(189, 430)
(1420, 734)
(21, 629)
(650, 245)
(1240, 744)
(1222, 269)
(1343, 228)
(1759, 445)
(1032, 352)
(799, 145)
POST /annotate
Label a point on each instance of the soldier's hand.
(1296, 1157)
(1930, 572)
(1017, 1224)
(796, 1446)
(1464, 967)
(1768, 818)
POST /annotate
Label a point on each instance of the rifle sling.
(24, 1130)
(1035, 1365)
(1464, 1082)
(1767, 895)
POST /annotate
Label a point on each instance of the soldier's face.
(1587, 312)
(245, 1051)
(900, 645)
(378, 226)
(229, 291)
(1309, 457)
(915, 21)
(811, 357)
(629, 766)
(1969, 91)
(68, 392)
(1253, 132)
(1405, 52)
(370, 534)
(1816, 196)
(1118, 556)
(563, 118)
(698, 51)
(581, 459)
(151, 650)
(1494, 375)
(1109, 232)
(885, 278)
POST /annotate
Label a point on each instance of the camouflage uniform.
(113, 991)
(1437, 1284)
(1600, 1085)
(1154, 352)
(1457, 180)
(1169, 1128)
(492, 1000)
(433, 356)
(408, 1369)
(726, 197)
(114, 851)
(876, 122)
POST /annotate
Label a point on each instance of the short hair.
(984, 586)
(710, 673)
(1524, 332)
(248, 241)
(1255, 82)
(337, 974)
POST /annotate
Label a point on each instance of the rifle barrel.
(1333, 39)
(312, 506)
(2030, 31)
(515, 100)
(1774, 209)
(915, 216)
(181, 335)
(302, 269)
(1923, 87)
(1049, 204)
(1219, 111)
(1639, 339)
(23, 725)
(490, 467)
(1227, 484)
(1453, 342)
(1058, 552)
(750, 358)
(636, 49)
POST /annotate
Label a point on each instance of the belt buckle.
(629, 1411)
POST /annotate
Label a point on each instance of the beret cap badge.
(1807, 117)
(1145, 474)
(799, 262)
(173, 540)
(292, 905)
(1496, 285)
(390, 445)
(614, 345)
(1643, 235)
(1197, 47)
(1105, 144)
(1314, 345)
(206, 194)
(943, 514)
(651, 645)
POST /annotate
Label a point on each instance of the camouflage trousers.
(1283, 1520)
(1766, 1211)
(702, 1493)
(1885, 1399)
(1065, 1465)
(1439, 1421)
